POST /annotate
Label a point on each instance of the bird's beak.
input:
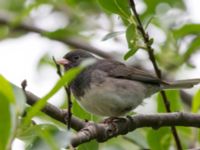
(63, 62)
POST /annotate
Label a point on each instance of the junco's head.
(74, 58)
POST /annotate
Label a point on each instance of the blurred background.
(33, 31)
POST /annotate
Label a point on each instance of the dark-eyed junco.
(110, 88)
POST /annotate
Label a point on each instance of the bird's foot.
(109, 120)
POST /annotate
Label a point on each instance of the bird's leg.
(113, 119)
(109, 120)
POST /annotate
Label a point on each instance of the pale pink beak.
(63, 61)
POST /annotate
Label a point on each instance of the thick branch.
(102, 132)
(71, 42)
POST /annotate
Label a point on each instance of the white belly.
(114, 97)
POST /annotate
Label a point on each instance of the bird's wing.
(119, 70)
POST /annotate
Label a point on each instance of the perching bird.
(110, 88)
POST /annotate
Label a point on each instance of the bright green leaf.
(130, 53)
(159, 139)
(44, 136)
(44, 60)
(192, 48)
(46, 133)
(6, 89)
(153, 4)
(112, 35)
(20, 99)
(12, 5)
(131, 37)
(61, 33)
(7, 113)
(4, 31)
(92, 145)
(138, 138)
(123, 7)
(119, 7)
(196, 102)
(6, 123)
(187, 29)
(108, 5)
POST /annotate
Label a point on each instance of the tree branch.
(102, 132)
(148, 43)
(71, 42)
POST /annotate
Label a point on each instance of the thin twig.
(24, 85)
(68, 92)
(148, 43)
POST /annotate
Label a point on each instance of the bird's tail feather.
(181, 84)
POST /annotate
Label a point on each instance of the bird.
(111, 88)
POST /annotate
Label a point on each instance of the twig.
(157, 70)
(25, 27)
(24, 85)
(68, 92)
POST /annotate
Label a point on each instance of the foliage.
(82, 23)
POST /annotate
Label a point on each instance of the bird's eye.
(76, 57)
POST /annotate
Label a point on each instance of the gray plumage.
(110, 88)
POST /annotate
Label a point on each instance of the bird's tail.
(180, 84)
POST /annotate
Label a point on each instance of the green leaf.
(112, 35)
(152, 5)
(196, 102)
(130, 53)
(92, 145)
(186, 135)
(20, 99)
(12, 5)
(159, 139)
(6, 89)
(45, 61)
(138, 138)
(187, 29)
(62, 33)
(7, 113)
(4, 31)
(174, 98)
(192, 48)
(44, 136)
(131, 37)
(119, 7)
(109, 5)
(65, 80)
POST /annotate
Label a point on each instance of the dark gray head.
(74, 58)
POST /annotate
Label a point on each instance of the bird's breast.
(114, 97)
